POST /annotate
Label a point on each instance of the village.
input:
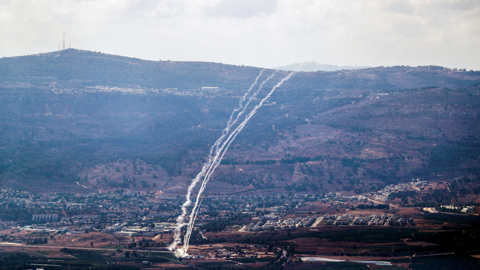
(130, 214)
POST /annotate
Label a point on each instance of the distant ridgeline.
(73, 67)
(78, 121)
(312, 66)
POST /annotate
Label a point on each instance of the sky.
(262, 33)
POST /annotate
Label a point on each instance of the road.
(8, 244)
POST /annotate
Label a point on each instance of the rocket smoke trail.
(210, 167)
(216, 161)
(214, 148)
(218, 158)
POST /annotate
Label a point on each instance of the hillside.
(313, 66)
(111, 122)
(77, 68)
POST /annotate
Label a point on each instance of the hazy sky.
(265, 33)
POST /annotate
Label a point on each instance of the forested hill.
(111, 122)
(78, 68)
(83, 68)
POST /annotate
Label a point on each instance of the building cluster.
(8, 224)
(136, 229)
(371, 220)
(126, 213)
(280, 224)
(249, 251)
(101, 88)
(335, 220)
(463, 209)
(415, 185)
(45, 217)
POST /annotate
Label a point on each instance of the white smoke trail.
(211, 161)
(183, 251)
(216, 161)
(214, 148)
(240, 105)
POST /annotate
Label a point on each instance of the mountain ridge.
(113, 70)
(118, 123)
(313, 66)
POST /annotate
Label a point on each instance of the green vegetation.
(445, 262)
(450, 156)
(15, 260)
(252, 260)
(221, 223)
(365, 235)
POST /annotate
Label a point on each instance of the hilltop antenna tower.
(64, 34)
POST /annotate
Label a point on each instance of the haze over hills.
(313, 66)
(72, 118)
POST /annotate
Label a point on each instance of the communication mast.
(64, 34)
